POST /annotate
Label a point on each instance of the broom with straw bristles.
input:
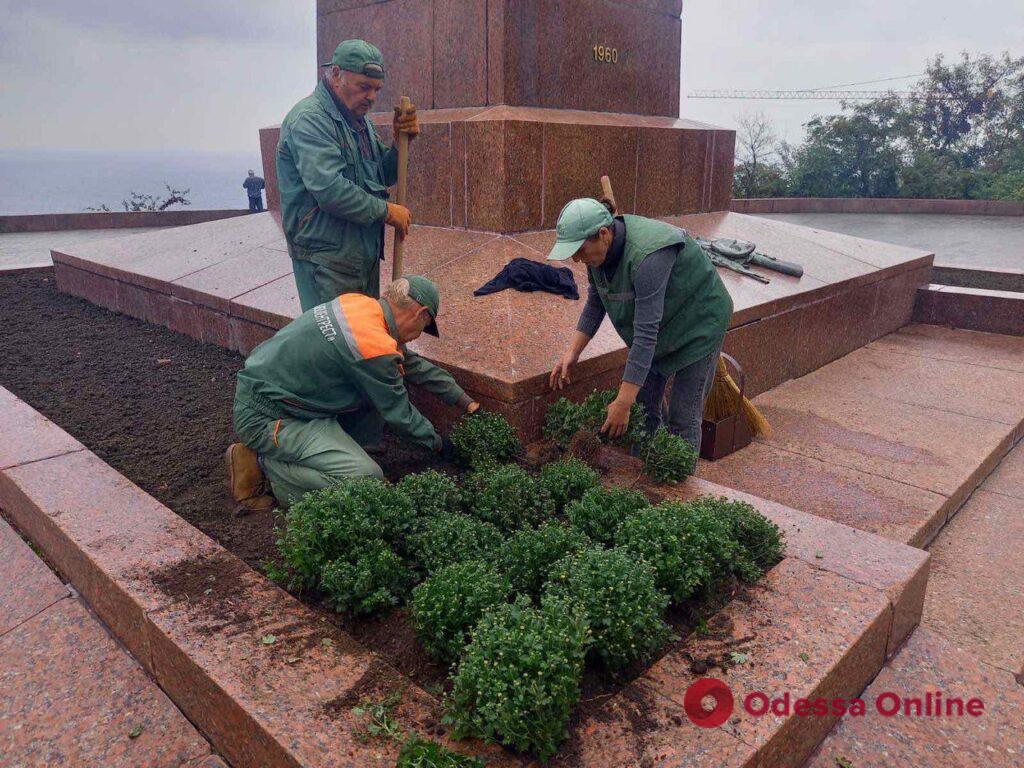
(724, 398)
(724, 401)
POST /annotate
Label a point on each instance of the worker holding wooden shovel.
(334, 172)
(664, 298)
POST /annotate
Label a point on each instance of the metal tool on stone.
(401, 189)
(744, 252)
(726, 263)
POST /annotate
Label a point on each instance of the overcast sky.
(207, 74)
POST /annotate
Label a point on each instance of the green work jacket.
(332, 200)
(340, 357)
(697, 305)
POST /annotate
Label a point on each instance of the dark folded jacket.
(527, 275)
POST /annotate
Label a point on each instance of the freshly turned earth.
(156, 406)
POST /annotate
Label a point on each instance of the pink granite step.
(976, 309)
(70, 696)
(27, 586)
(976, 594)
(929, 663)
(891, 438)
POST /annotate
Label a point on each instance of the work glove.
(447, 449)
(406, 122)
(400, 218)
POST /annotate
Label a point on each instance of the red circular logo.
(693, 702)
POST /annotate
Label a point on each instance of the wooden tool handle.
(608, 194)
(402, 188)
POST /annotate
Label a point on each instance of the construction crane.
(820, 95)
(828, 93)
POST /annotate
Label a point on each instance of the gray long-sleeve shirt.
(649, 285)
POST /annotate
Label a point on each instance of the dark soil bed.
(156, 406)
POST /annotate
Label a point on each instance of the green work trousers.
(299, 456)
(318, 284)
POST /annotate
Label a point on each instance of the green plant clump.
(507, 496)
(599, 511)
(662, 538)
(369, 578)
(519, 677)
(449, 604)
(529, 555)
(431, 493)
(668, 458)
(710, 536)
(567, 480)
(336, 522)
(623, 605)
(453, 538)
(484, 439)
(761, 539)
(422, 753)
(565, 418)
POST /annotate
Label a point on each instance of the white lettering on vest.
(323, 320)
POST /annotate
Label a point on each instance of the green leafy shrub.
(623, 606)
(761, 540)
(384, 503)
(567, 480)
(519, 677)
(710, 537)
(668, 458)
(453, 538)
(661, 537)
(600, 510)
(565, 418)
(320, 527)
(528, 556)
(507, 496)
(431, 493)
(449, 604)
(422, 753)
(369, 578)
(484, 439)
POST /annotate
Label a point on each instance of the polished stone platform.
(509, 169)
(229, 283)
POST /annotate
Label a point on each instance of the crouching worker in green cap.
(333, 173)
(666, 301)
(310, 397)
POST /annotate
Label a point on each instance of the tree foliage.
(959, 134)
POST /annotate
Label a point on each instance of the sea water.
(70, 181)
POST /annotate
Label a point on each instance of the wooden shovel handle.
(400, 192)
(608, 194)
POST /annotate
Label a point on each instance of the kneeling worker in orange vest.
(310, 398)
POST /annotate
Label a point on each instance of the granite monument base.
(229, 283)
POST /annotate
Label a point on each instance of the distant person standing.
(254, 187)
(334, 173)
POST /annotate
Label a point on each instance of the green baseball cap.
(579, 220)
(360, 57)
(425, 293)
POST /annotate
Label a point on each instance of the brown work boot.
(246, 482)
